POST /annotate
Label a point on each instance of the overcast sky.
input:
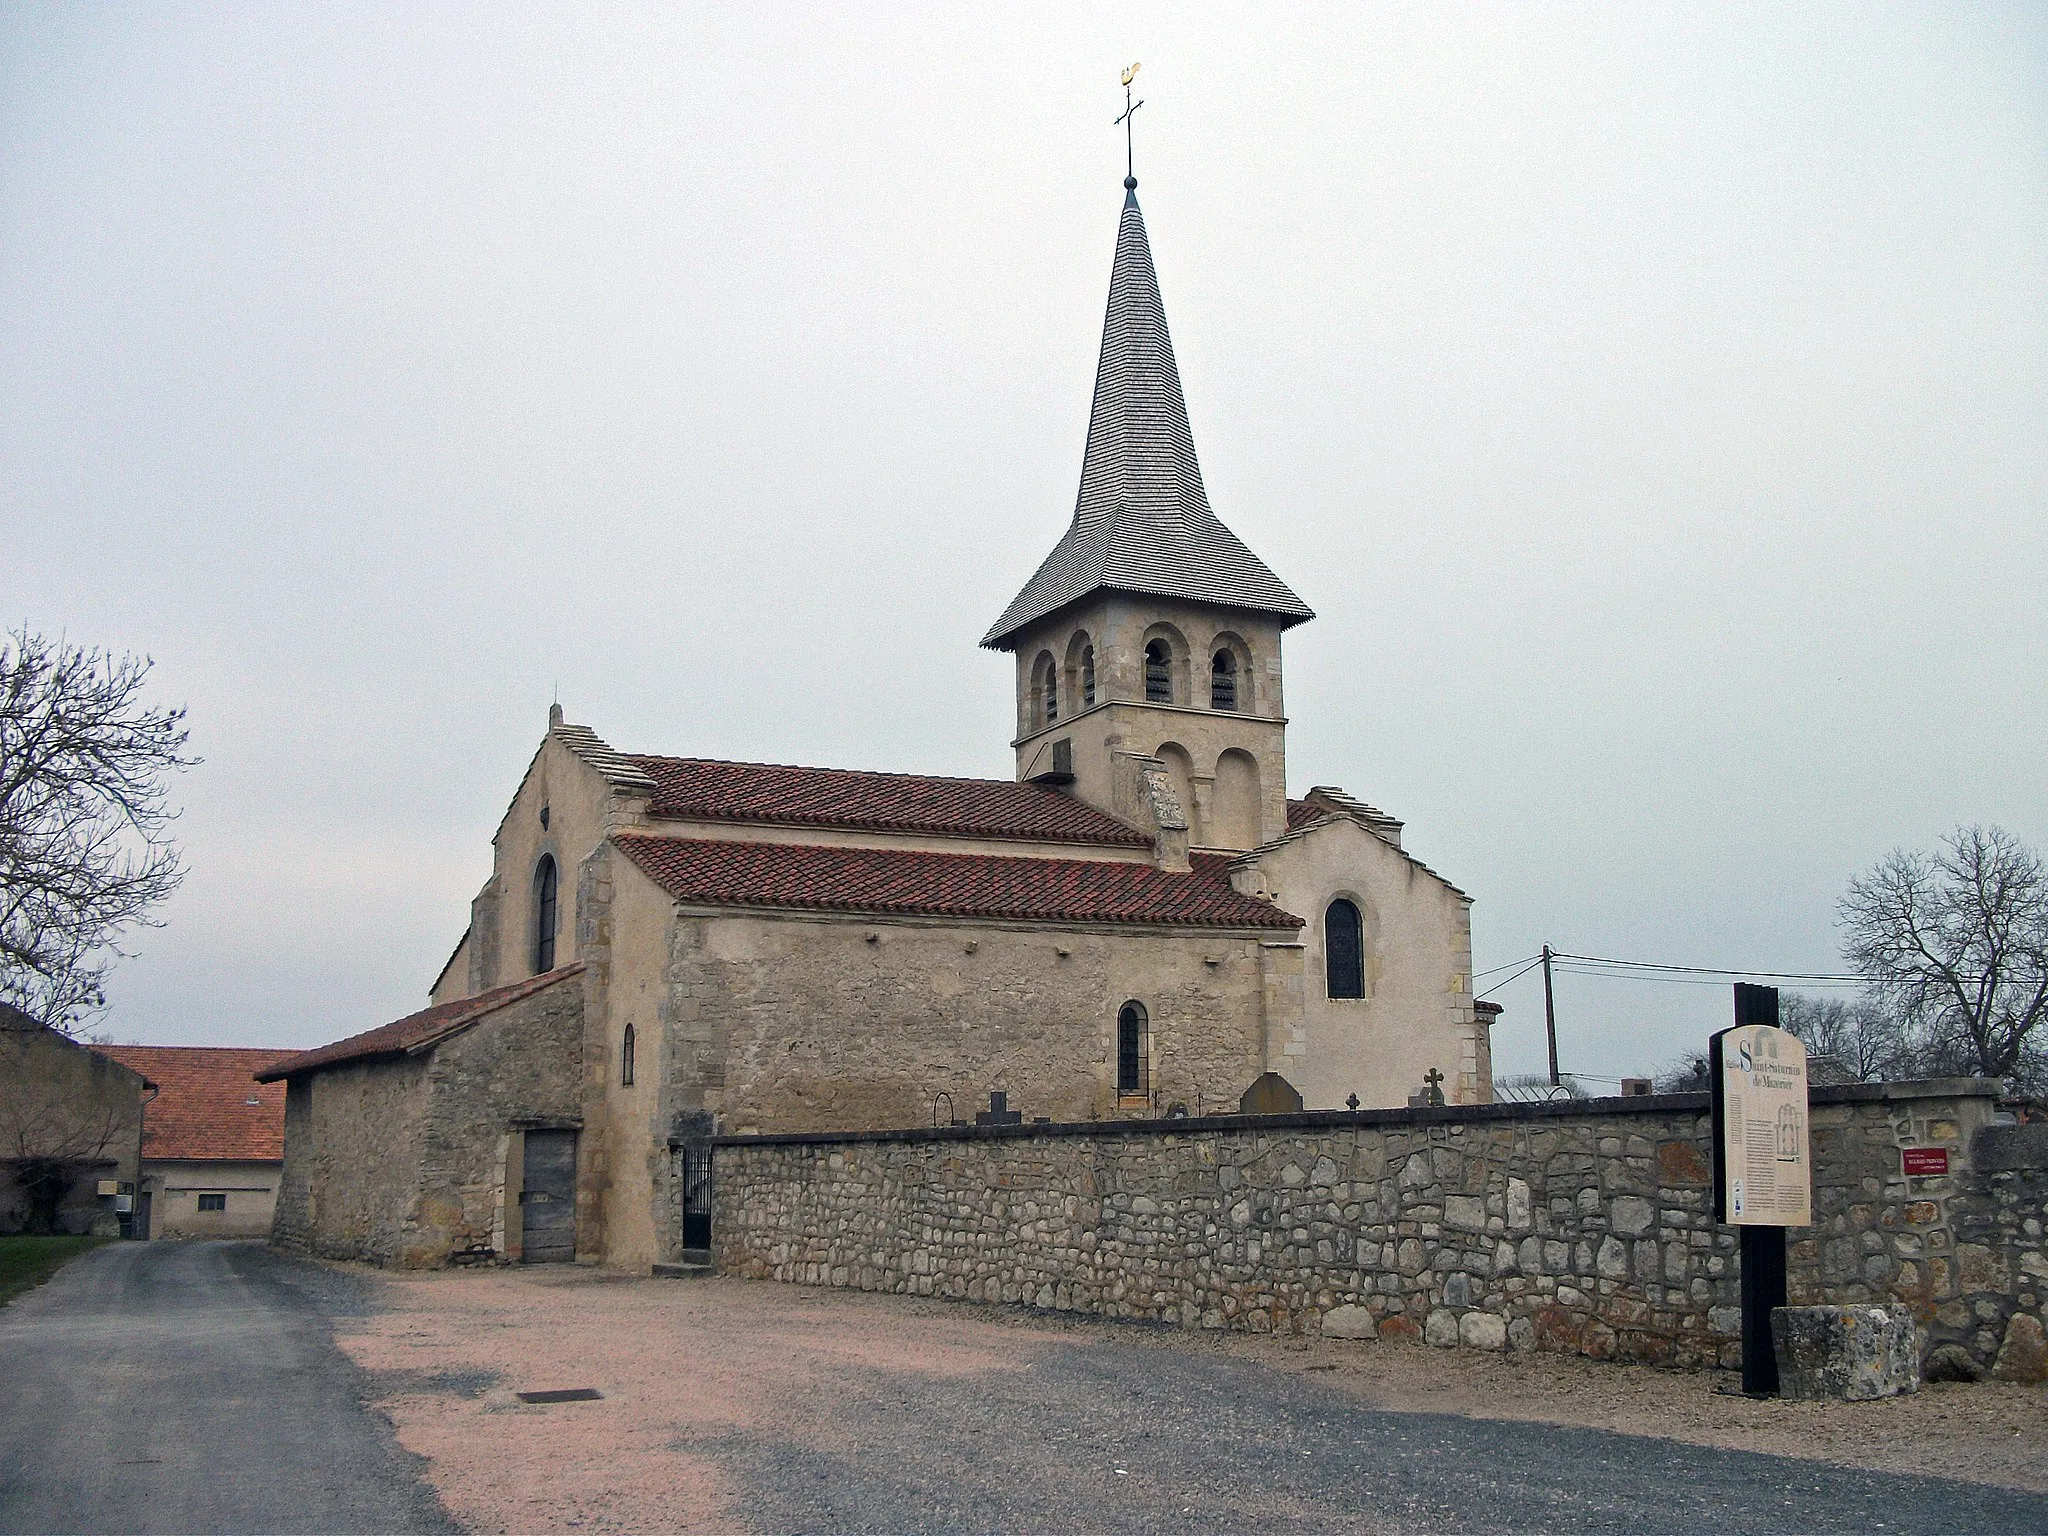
(1652, 402)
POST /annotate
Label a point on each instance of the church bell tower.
(1149, 641)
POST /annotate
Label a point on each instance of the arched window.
(1088, 677)
(1045, 690)
(1158, 673)
(1130, 1048)
(1223, 681)
(1344, 949)
(546, 913)
(626, 1059)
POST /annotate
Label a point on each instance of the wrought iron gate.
(693, 1166)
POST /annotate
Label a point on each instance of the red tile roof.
(1301, 812)
(203, 1109)
(889, 880)
(877, 802)
(416, 1030)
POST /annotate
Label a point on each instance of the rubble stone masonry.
(1580, 1227)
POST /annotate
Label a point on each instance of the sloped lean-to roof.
(1142, 521)
(888, 881)
(209, 1106)
(416, 1031)
(695, 788)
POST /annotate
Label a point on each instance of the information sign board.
(1925, 1162)
(1763, 1166)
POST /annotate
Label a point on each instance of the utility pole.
(1550, 1016)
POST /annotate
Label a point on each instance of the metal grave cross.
(1435, 1089)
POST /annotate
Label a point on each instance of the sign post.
(1763, 1168)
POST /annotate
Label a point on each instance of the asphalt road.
(1168, 1444)
(195, 1387)
(183, 1387)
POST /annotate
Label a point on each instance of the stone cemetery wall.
(1581, 1227)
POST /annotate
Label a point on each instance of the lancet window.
(1223, 681)
(1343, 949)
(1130, 1049)
(546, 913)
(1158, 673)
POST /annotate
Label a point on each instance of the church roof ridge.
(715, 789)
(1305, 817)
(916, 882)
(1142, 521)
(617, 768)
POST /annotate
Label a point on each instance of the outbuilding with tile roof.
(213, 1140)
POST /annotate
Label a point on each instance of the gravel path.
(183, 1387)
(737, 1407)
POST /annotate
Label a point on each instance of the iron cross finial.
(1130, 106)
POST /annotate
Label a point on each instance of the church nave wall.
(819, 1023)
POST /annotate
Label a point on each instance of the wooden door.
(547, 1202)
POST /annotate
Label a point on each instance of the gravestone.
(1270, 1094)
(999, 1112)
(1431, 1094)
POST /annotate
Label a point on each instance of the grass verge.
(26, 1262)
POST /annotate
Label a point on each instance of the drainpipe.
(150, 1091)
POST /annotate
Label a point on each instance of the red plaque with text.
(1925, 1162)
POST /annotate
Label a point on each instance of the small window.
(1158, 673)
(1223, 682)
(1130, 1049)
(546, 914)
(1344, 950)
(217, 1202)
(1088, 677)
(626, 1059)
(1045, 691)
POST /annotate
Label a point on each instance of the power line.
(1681, 981)
(1534, 961)
(1712, 970)
(1490, 970)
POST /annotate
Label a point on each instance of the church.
(1141, 923)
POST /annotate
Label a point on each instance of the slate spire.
(1142, 521)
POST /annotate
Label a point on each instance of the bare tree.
(1955, 945)
(1691, 1073)
(1864, 1040)
(85, 849)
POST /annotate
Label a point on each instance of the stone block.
(1467, 1213)
(1612, 1260)
(1632, 1215)
(2024, 1354)
(1441, 1328)
(1349, 1322)
(1518, 1208)
(1848, 1353)
(1979, 1269)
(1483, 1330)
